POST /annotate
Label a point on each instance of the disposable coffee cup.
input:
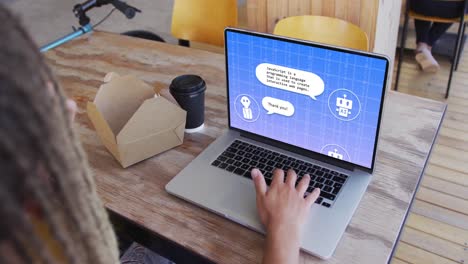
(189, 92)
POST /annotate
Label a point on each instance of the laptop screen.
(320, 99)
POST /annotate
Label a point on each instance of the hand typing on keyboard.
(241, 157)
(283, 211)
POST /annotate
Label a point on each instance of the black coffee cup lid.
(188, 84)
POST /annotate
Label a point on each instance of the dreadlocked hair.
(42, 165)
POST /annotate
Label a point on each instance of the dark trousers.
(427, 31)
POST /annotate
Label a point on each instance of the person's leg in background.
(425, 39)
(427, 33)
(422, 31)
(437, 30)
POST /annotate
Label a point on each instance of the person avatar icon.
(246, 110)
(344, 106)
(335, 154)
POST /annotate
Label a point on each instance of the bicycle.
(85, 22)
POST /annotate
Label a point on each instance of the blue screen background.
(313, 126)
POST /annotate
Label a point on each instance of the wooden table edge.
(413, 196)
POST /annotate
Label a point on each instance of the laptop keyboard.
(241, 157)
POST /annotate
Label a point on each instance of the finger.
(259, 181)
(278, 177)
(291, 178)
(303, 184)
(310, 199)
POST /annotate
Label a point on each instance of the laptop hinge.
(300, 151)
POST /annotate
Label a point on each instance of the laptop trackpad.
(240, 205)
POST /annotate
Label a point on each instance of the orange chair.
(323, 29)
(203, 20)
(457, 49)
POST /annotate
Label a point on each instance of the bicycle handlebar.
(80, 9)
(80, 12)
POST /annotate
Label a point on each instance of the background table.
(137, 194)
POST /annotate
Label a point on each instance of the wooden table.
(137, 194)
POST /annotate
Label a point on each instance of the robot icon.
(335, 151)
(246, 110)
(335, 154)
(344, 106)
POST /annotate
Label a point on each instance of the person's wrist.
(282, 244)
(283, 232)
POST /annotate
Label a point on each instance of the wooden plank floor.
(437, 227)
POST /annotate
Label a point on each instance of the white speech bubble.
(289, 79)
(277, 106)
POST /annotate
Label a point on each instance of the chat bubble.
(277, 106)
(289, 79)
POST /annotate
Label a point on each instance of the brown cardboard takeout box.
(132, 122)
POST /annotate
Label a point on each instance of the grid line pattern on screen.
(312, 126)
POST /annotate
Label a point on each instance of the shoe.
(427, 61)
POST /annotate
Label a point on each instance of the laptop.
(294, 104)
